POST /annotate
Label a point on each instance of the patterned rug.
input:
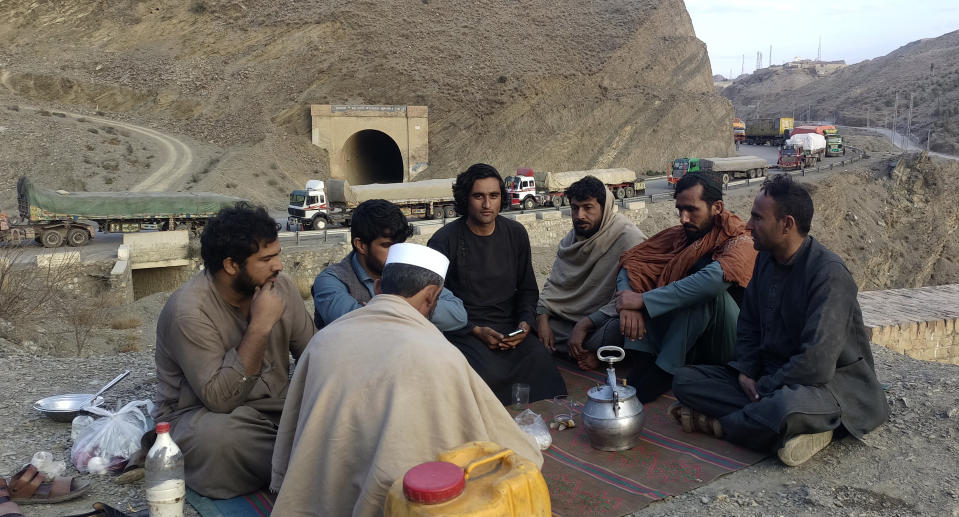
(584, 481)
(257, 504)
(666, 462)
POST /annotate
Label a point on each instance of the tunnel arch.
(372, 156)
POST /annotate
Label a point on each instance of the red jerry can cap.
(433, 482)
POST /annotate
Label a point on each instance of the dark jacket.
(801, 324)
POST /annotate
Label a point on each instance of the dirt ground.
(906, 467)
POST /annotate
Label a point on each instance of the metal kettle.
(613, 416)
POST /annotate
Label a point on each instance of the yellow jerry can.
(478, 479)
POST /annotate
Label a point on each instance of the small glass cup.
(520, 395)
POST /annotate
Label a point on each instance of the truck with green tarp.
(57, 217)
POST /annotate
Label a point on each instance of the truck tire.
(318, 223)
(449, 211)
(556, 201)
(751, 173)
(529, 203)
(725, 178)
(51, 238)
(77, 236)
(620, 193)
(630, 192)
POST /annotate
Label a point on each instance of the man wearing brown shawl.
(679, 290)
(582, 282)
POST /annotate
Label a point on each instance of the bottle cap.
(163, 427)
(433, 482)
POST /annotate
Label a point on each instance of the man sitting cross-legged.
(379, 391)
(678, 289)
(803, 363)
(223, 354)
(347, 285)
(582, 283)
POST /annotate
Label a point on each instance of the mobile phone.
(515, 333)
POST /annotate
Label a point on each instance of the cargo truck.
(333, 201)
(768, 131)
(722, 169)
(824, 130)
(802, 150)
(835, 145)
(739, 130)
(57, 217)
(529, 189)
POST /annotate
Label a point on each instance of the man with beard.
(582, 283)
(679, 290)
(803, 365)
(379, 391)
(491, 270)
(223, 345)
(347, 285)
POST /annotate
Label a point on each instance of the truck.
(723, 169)
(529, 189)
(771, 131)
(55, 217)
(802, 150)
(835, 145)
(824, 130)
(333, 201)
(739, 130)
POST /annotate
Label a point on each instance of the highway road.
(104, 246)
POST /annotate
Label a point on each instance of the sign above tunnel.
(372, 143)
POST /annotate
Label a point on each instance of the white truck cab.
(308, 209)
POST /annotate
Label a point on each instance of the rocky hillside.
(553, 85)
(928, 69)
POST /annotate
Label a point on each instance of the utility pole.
(909, 121)
(743, 71)
(895, 118)
(770, 55)
(759, 60)
(928, 138)
(819, 52)
(867, 116)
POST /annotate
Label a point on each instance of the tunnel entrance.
(371, 156)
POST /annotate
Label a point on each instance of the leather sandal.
(104, 510)
(29, 487)
(8, 508)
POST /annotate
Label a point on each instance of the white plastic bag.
(113, 438)
(533, 424)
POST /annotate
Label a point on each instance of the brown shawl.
(665, 257)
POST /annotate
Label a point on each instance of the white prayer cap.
(418, 255)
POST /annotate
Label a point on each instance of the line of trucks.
(57, 217)
(324, 203)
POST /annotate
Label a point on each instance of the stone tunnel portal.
(371, 156)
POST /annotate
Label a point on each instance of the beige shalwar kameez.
(223, 421)
(377, 392)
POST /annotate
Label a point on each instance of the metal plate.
(64, 407)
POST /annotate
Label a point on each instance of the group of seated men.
(418, 346)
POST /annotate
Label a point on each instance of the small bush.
(87, 160)
(82, 119)
(271, 182)
(198, 7)
(274, 166)
(114, 141)
(89, 147)
(125, 323)
(130, 343)
(108, 180)
(231, 185)
(13, 107)
(129, 148)
(100, 113)
(110, 130)
(58, 114)
(45, 113)
(110, 165)
(94, 130)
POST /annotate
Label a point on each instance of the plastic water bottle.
(165, 479)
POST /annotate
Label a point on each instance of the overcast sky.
(853, 30)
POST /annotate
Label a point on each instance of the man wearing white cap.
(378, 391)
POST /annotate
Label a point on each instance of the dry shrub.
(129, 344)
(125, 323)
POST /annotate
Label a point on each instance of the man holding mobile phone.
(491, 270)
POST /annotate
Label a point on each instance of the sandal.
(28, 487)
(103, 510)
(693, 421)
(8, 508)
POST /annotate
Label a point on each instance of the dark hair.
(379, 218)
(464, 185)
(406, 279)
(791, 199)
(712, 192)
(236, 232)
(585, 188)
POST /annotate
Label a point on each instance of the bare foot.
(588, 362)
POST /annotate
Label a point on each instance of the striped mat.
(666, 462)
(584, 481)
